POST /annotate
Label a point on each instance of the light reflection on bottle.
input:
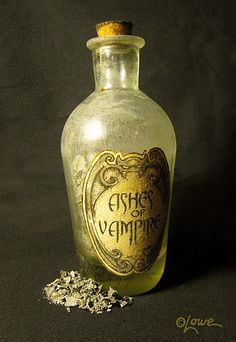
(93, 130)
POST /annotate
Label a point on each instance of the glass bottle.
(118, 149)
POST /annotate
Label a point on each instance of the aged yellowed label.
(125, 204)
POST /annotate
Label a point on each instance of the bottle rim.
(97, 42)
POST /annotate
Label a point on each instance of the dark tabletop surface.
(46, 71)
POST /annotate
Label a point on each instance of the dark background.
(187, 66)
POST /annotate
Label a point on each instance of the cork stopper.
(114, 28)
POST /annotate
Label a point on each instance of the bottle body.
(114, 120)
(118, 150)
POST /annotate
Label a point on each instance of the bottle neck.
(116, 66)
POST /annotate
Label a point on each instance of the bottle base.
(132, 285)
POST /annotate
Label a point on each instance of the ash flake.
(72, 290)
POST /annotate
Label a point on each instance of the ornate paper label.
(125, 204)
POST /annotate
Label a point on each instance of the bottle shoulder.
(117, 103)
(126, 110)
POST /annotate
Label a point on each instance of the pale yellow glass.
(116, 116)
